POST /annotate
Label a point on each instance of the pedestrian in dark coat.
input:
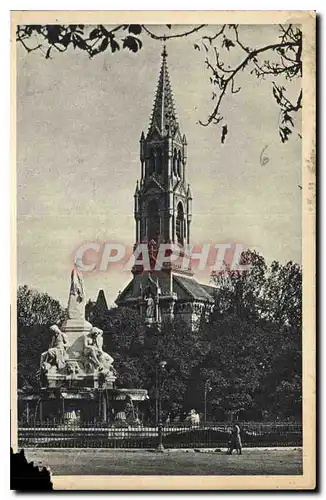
(235, 441)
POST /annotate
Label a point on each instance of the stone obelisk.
(76, 325)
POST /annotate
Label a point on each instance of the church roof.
(186, 289)
(164, 117)
(194, 289)
(101, 300)
(126, 293)
(209, 289)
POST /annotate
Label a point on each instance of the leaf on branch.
(196, 46)
(227, 43)
(80, 42)
(288, 119)
(105, 32)
(66, 39)
(53, 33)
(38, 28)
(104, 45)
(47, 55)
(132, 43)
(94, 33)
(114, 45)
(224, 133)
(284, 133)
(136, 29)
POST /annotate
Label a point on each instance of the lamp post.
(161, 366)
(207, 388)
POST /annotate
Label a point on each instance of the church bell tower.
(162, 198)
(163, 213)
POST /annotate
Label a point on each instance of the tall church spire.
(162, 201)
(163, 215)
(164, 118)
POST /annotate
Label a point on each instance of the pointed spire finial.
(163, 116)
(164, 52)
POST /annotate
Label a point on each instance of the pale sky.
(79, 121)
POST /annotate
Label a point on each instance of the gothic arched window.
(153, 220)
(179, 164)
(175, 162)
(180, 223)
(151, 166)
(159, 161)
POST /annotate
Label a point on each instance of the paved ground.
(174, 462)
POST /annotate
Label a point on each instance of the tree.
(240, 291)
(233, 365)
(288, 398)
(283, 294)
(123, 335)
(259, 311)
(280, 61)
(37, 309)
(36, 312)
(182, 349)
(249, 353)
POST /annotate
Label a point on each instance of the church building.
(163, 214)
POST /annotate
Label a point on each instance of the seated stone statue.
(56, 354)
(93, 349)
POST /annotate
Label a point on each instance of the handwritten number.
(263, 159)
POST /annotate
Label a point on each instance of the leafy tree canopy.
(245, 361)
(36, 312)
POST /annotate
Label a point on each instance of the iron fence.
(216, 435)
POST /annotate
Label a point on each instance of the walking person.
(235, 441)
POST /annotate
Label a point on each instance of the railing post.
(160, 446)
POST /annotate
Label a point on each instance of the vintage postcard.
(163, 248)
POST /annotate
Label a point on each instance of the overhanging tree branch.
(283, 57)
(284, 60)
(177, 35)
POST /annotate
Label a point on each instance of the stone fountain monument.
(75, 356)
(77, 377)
